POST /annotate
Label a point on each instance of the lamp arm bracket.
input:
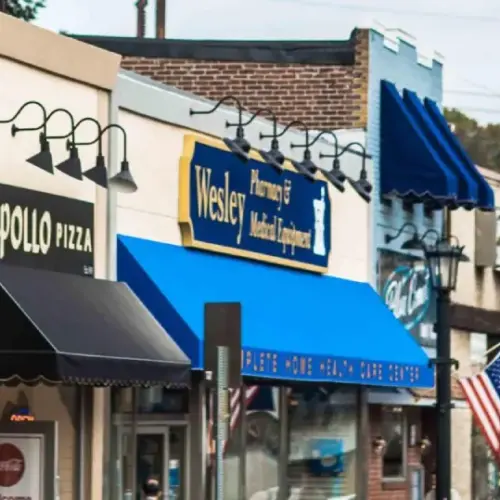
(390, 238)
(73, 130)
(348, 147)
(285, 130)
(46, 119)
(255, 115)
(219, 103)
(25, 105)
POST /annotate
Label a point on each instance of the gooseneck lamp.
(335, 176)
(361, 185)
(306, 167)
(123, 180)
(239, 145)
(71, 167)
(42, 159)
(442, 257)
(273, 157)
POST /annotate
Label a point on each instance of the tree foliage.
(23, 9)
(482, 142)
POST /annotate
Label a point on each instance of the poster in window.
(405, 286)
(21, 467)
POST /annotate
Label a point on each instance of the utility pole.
(141, 17)
(161, 14)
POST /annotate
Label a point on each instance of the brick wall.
(377, 488)
(323, 96)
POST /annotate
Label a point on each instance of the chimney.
(161, 13)
(141, 18)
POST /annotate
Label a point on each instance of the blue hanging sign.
(250, 210)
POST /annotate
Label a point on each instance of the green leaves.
(481, 142)
(24, 9)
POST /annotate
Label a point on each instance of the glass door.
(145, 458)
(159, 452)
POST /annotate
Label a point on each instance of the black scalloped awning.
(62, 328)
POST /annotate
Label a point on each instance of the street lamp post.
(442, 258)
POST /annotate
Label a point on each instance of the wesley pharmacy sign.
(249, 210)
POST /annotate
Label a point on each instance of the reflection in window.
(262, 447)
(232, 448)
(322, 446)
(393, 431)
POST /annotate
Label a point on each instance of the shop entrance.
(160, 451)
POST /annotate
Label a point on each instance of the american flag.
(235, 411)
(482, 394)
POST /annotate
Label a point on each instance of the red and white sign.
(12, 465)
(21, 467)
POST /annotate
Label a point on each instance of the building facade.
(66, 333)
(294, 432)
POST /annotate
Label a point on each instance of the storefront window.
(393, 426)
(322, 443)
(262, 442)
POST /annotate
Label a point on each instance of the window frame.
(404, 466)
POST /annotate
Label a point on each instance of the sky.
(466, 33)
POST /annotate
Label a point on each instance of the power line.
(398, 12)
(472, 93)
(479, 110)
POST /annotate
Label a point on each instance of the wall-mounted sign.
(405, 286)
(46, 231)
(21, 414)
(20, 467)
(250, 210)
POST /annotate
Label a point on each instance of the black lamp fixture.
(42, 159)
(335, 176)
(442, 257)
(72, 166)
(362, 185)
(306, 167)
(239, 145)
(123, 180)
(274, 157)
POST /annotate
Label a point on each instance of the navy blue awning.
(295, 325)
(485, 195)
(409, 165)
(467, 186)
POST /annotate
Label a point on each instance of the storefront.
(67, 333)
(207, 227)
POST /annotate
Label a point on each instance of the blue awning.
(295, 326)
(485, 195)
(421, 160)
(467, 186)
(409, 165)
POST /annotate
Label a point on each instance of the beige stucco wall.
(152, 212)
(476, 287)
(58, 72)
(461, 421)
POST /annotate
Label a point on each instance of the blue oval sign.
(407, 293)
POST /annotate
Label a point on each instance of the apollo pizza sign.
(46, 231)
